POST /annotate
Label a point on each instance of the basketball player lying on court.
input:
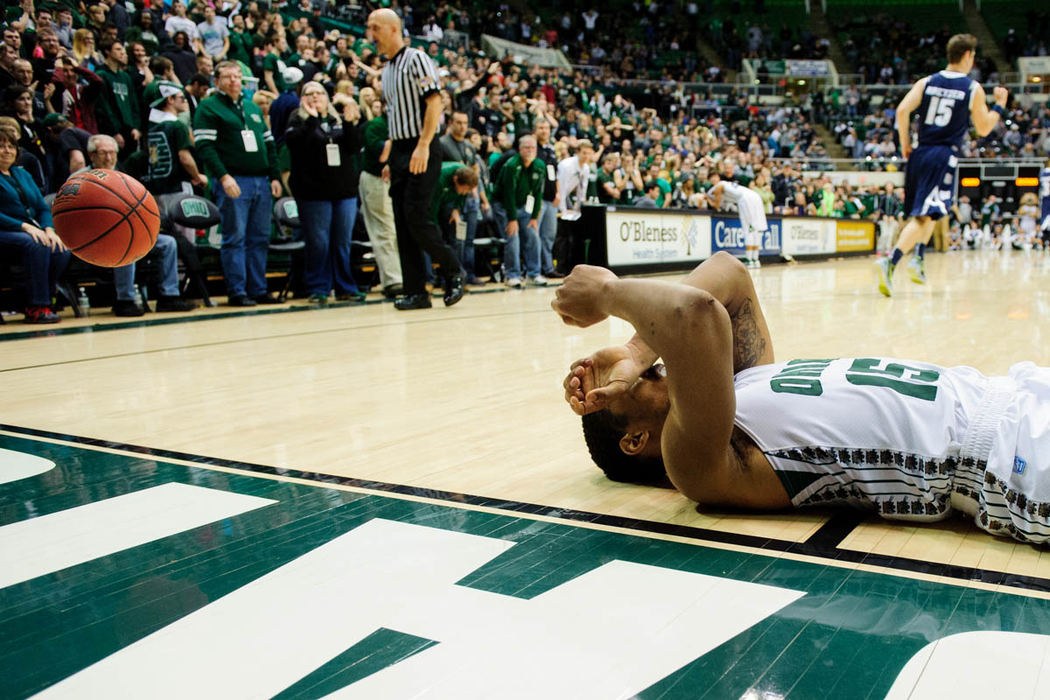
(728, 426)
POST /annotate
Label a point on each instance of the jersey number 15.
(939, 112)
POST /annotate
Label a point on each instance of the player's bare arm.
(714, 196)
(691, 330)
(595, 380)
(985, 119)
(909, 104)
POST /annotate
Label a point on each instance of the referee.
(410, 89)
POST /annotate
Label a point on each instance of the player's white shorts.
(1006, 458)
(752, 216)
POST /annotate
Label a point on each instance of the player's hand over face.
(593, 382)
(579, 300)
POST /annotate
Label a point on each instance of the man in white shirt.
(432, 30)
(179, 22)
(590, 19)
(574, 175)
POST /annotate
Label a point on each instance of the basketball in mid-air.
(106, 218)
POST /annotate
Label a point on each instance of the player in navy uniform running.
(946, 102)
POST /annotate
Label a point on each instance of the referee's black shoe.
(413, 301)
(453, 289)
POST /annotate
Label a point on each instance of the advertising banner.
(1034, 64)
(645, 237)
(501, 48)
(853, 236)
(727, 235)
(805, 67)
(802, 236)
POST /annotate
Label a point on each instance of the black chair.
(488, 257)
(363, 264)
(289, 241)
(195, 212)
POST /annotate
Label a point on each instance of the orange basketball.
(106, 218)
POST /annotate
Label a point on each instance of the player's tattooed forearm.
(748, 343)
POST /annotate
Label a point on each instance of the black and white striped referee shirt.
(408, 79)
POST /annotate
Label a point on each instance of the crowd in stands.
(659, 43)
(1027, 39)
(884, 48)
(867, 131)
(70, 71)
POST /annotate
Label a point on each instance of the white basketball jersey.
(733, 192)
(871, 432)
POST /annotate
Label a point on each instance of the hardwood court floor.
(467, 400)
(464, 406)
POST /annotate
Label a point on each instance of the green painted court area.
(129, 577)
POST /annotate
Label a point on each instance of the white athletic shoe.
(917, 270)
(514, 283)
(885, 270)
(538, 281)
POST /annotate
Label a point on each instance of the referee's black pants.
(416, 231)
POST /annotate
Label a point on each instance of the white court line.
(19, 465)
(576, 640)
(39, 546)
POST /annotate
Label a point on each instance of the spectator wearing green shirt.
(275, 47)
(374, 192)
(826, 205)
(631, 176)
(455, 182)
(119, 115)
(551, 197)
(609, 186)
(456, 147)
(652, 195)
(237, 148)
(524, 119)
(516, 203)
(241, 47)
(171, 163)
(761, 185)
(664, 200)
(852, 206)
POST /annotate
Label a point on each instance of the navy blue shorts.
(929, 181)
